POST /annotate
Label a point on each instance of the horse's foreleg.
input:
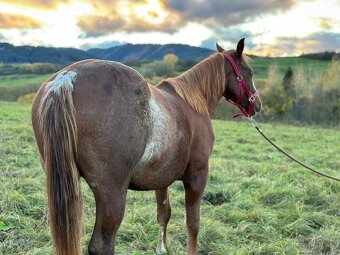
(110, 206)
(194, 184)
(163, 216)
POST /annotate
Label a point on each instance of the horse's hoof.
(161, 250)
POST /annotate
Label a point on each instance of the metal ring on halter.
(252, 99)
(240, 77)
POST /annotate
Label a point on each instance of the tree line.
(299, 96)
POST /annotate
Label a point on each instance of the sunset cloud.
(325, 23)
(272, 27)
(316, 42)
(40, 4)
(129, 16)
(94, 25)
(321, 41)
(170, 15)
(10, 21)
(225, 13)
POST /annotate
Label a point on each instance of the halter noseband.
(242, 85)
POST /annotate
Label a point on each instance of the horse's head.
(239, 87)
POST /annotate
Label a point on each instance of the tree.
(287, 82)
(171, 59)
(165, 68)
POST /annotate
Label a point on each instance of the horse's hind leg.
(110, 206)
(163, 216)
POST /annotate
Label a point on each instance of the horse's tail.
(59, 136)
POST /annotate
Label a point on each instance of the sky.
(271, 27)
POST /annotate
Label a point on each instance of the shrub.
(26, 99)
(165, 68)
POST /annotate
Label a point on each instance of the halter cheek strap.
(242, 86)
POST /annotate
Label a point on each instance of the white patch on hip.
(64, 79)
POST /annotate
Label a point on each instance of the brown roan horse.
(102, 121)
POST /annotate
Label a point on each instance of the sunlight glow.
(298, 22)
(60, 28)
(192, 34)
(149, 21)
(151, 12)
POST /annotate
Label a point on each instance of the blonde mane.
(202, 83)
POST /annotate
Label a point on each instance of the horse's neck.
(209, 83)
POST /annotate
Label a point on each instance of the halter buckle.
(252, 98)
(239, 78)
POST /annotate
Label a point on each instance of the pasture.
(14, 83)
(256, 201)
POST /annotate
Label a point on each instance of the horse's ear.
(219, 48)
(240, 47)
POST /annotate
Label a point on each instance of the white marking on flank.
(159, 140)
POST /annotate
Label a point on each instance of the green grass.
(14, 86)
(256, 201)
(20, 80)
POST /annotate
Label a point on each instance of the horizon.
(127, 43)
(275, 28)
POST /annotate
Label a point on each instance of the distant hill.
(135, 52)
(327, 55)
(124, 53)
(30, 54)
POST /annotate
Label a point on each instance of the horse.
(100, 120)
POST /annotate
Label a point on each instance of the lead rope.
(256, 126)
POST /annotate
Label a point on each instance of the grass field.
(261, 65)
(15, 85)
(22, 79)
(256, 201)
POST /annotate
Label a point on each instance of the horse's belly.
(159, 172)
(164, 160)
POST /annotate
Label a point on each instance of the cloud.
(225, 13)
(39, 4)
(9, 21)
(321, 41)
(324, 23)
(128, 16)
(171, 15)
(315, 42)
(2, 38)
(94, 25)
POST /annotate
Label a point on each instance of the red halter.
(242, 85)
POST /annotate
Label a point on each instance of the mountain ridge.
(39, 54)
(11, 54)
(150, 52)
(124, 53)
